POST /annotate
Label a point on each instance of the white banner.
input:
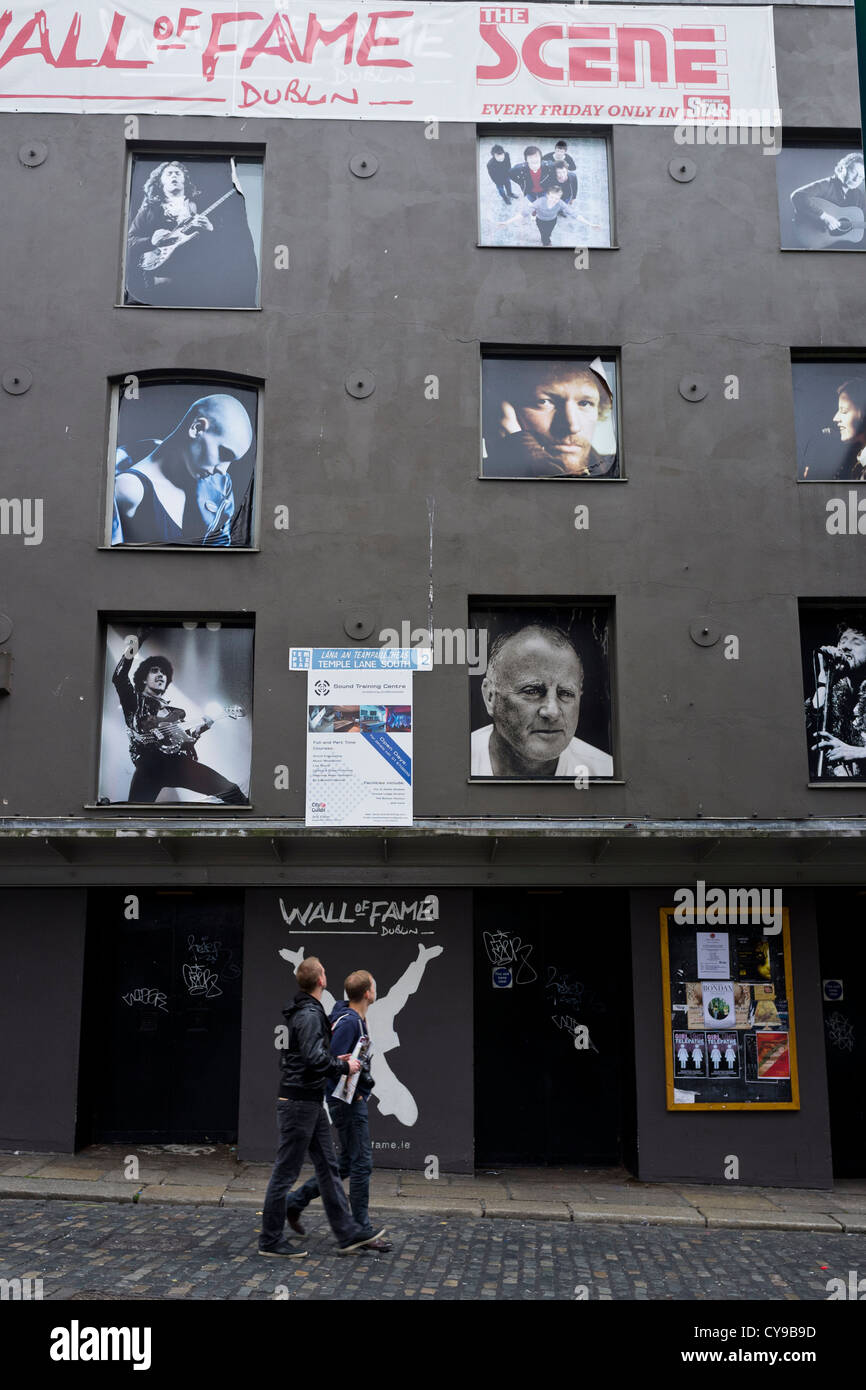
(359, 733)
(622, 64)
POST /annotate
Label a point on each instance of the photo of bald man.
(191, 484)
(546, 677)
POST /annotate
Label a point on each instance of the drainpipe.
(860, 18)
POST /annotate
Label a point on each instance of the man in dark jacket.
(499, 169)
(348, 1112)
(306, 1068)
(559, 155)
(532, 177)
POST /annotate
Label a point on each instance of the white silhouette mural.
(393, 1096)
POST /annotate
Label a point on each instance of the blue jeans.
(356, 1160)
(303, 1125)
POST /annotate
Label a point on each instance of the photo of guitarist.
(183, 254)
(161, 744)
(830, 213)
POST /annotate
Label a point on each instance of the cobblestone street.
(124, 1251)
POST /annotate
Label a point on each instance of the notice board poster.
(729, 1043)
(359, 733)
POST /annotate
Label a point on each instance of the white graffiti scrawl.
(199, 980)
(393, 1096)
(151, 998)
(504, 949)
(840, 1031)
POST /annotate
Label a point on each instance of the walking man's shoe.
(293, 1216)
(360, 1244)
(283, 1249)
(380, 1246)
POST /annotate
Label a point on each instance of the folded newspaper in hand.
(347, 1085)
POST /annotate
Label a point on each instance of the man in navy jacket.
(348, 1027)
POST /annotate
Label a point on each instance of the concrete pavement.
(212, 1175)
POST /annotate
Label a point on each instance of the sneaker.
(293, 1216)
(361, 1243)
(284, 1249)
(380, 1246)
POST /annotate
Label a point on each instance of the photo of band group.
(185, 459)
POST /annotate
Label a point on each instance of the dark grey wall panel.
(41, 966)
(829, 50)
(784, 1149)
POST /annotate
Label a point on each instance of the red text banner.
(640, 64)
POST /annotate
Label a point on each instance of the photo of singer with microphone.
(835, 675)
(831, 447)
(850, 420)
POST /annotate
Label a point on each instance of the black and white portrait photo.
(176, 713)
(547, 189)
(182, 468)
(833, 642)
(822, 197)
(194, 232)
(549, 417)
(542, 708)
(830, 420)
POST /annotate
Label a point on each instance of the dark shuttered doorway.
(161, 1026)
(554, 1036)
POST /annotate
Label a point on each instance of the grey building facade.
(709, 536)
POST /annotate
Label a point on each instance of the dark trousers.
(504, 191)
(356, 1160)
(157, 770)
(545, 230)
(303, 1125)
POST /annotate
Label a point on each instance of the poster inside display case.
(729, 1013)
